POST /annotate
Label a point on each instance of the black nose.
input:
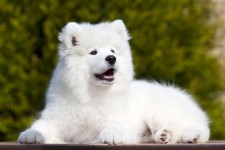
(111, 59)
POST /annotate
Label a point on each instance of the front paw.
(31, 136)
(113, 134)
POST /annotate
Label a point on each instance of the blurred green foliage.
(171, 43)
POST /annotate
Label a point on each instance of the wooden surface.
(212, 145)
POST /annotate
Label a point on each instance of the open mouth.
(108, 75)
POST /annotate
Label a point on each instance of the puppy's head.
(99, 54)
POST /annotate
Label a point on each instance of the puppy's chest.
(82, 123)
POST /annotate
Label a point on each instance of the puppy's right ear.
(69, 35)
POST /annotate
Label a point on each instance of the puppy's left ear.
(120, 28)
(69, 35)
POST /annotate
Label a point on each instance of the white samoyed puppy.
(93, 98)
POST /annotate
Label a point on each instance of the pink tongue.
(108, 77)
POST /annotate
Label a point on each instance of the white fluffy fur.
(83, 109)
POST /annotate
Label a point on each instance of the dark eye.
(112, 51)
(94, 52)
